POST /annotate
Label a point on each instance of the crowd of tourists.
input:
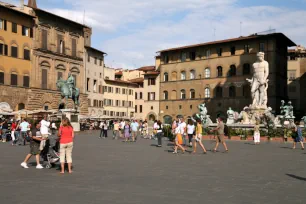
(39, 135)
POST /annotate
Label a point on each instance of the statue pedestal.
(73, 116)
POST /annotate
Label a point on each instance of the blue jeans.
(21, 139)
(4, 134)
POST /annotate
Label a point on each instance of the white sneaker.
(24, 165)
(39, 166)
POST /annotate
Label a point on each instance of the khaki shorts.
(220, 138)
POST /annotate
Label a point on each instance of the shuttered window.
(14, 52)
(59, 75)
(44, 79)
(1, 77)
(14, 79)
(44, 39)
(75, 79)
(26, 81)
(60, 44)
(1, 49)
(74, 47)
(14, 27)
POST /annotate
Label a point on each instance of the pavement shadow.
(296, 177)
(286, 147)
(153, 145)
(248, 143)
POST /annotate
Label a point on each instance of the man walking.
(44, 131)
(134, 127)
(24, 127)
(116, 130)
(220, 135)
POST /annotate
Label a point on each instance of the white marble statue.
(230, 116)
(244, 116)
(259, 82)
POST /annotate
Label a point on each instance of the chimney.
(32, 4)
(21, 4)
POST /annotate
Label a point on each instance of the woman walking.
(127, 131)
(256, 133)
(198, 138)
(298, 136)
(66, 136)
(178, 140)
(159, 133)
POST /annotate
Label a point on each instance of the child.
(256, 133)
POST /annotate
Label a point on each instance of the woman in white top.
(178, 140)
(190, 131)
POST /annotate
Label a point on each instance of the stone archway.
(152, 116)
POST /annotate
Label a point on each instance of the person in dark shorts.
(34, 147)
(220, 135)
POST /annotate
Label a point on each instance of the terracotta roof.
(119, 73)
(120, 82)
(254, 36)
(137, 80)
(151, 73)
(147, 68)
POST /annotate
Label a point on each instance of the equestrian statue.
(68, 91)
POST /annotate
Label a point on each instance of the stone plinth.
(73, 116)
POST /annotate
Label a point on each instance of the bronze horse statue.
(65, 93)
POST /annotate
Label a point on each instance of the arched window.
(140, 95)
(232, 71)
(173, 76)
(183, 94)
(165, 95)
(192, 93)
(183, 75)
(219, 71)
(219, 91)
(136, 95)
(232, 92)
(246, 69)
(166, 77)
(207, 73)
(1, 77)
(246, 91)
(207, 92)
(173, 95)
(192, 74)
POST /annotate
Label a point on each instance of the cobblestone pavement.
(111, 171)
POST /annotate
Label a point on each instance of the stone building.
(297, 79)
(216, 72)
(94, 66)
(58, 48)
(16, 36)
(118, 95)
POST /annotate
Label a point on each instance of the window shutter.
(26, 81)
(59, 43)
(1, 49)
(1, 77)
(5, 50)
(64, 47)
(44, 79)
(14, 79)
(74, 47)
(5, 25)
(44, 39)
(31, 32)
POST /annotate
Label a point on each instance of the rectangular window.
(95, 86)
(44, 39)
(130, 92)
(1, 24)
(233, 50)
(183, 56)
(246, 48)
(14, 79)
(166, 59)
(117, 90)
(219, 51)
(135, 108)
(95, 60)
(5, 25)
(44, 79)
(14, 27)
(117, 103)
(26, 81)
(151, 96)
(123, 91)
(123, 103)
(192, 55)
(105, 89)
(207, 53)
(151, 81)
(26, 54)
(14, 52)
(75, 79)
(140, 108)
(25, 31)
(292, 75)
(261, 47)
(5, 50)
(1, 49)
(73, 46)
(109, 89)
(130, 103)
(88, 58)
(101, 62)
(87, 84)
(1, 77)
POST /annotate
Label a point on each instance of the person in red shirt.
(66, 136)
(13, 129)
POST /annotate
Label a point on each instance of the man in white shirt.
(183, 126)
(44, 131)
(24, 127)
(122, 124)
